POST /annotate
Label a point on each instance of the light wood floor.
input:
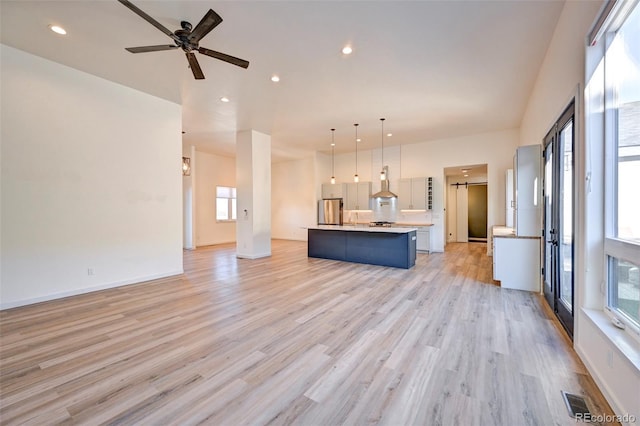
(293, 340)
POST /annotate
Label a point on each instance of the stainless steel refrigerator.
(330, 211)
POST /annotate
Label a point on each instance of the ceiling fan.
(187, 39)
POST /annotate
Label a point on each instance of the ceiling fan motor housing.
(183, 37)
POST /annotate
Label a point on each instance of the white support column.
(253, 183)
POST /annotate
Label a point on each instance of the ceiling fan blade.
(195, 66)
(208, 22)
(143, 49)
(148, 18)
(224, 57)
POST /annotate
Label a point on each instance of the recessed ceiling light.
(464, 170)
(224, 99)
(57, 29)
(358, 140)
(347, 50)
(333, 144)
(389, 134)
(466, 175)
(275, 78)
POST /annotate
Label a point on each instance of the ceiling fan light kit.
(186, 38)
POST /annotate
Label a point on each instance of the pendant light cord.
(382, 140)
(333, 145)
(383, 173)
(356, 126)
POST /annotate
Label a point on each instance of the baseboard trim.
(105, 286)
(595, 374)
(252, 256)
(213, 243)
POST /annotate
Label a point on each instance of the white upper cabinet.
(404, 194)
(333, 190)
(527, 165)
(412, 194)
(510, 202)
(357, 196)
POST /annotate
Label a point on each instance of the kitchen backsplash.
(365, 216)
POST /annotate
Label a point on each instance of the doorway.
(558, 230)
(466, 203)
(477, 212)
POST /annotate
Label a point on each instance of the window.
(622, 168)
(225, 203)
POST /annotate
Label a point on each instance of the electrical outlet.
(610, 358)
(90, 271)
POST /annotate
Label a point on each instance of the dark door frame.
(553, 231)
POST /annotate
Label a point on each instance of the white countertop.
(503, 231)
(507, 232)
(394, 225)
(363, 228)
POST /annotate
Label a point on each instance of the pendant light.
(333, 169)
(383, 175)
(356, 178)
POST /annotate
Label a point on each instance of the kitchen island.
(362, 244)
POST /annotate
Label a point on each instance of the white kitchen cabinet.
(510, 202)
(357, 196)
(516, 262)
(404, 194)
(412, 194)
(333, 190)
(527, 173)
(423, 241)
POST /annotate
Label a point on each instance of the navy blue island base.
(376, 247)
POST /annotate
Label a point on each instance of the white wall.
(561, 73)
(90, 180)
(212, 171)
(561, 77)
(293, 189)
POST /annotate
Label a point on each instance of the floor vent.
(576, 405)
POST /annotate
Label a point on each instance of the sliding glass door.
(558, 218)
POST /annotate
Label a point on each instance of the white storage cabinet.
(510, 201)
(516, 262)
(527, 164)
(412, 194)
(423, 241)
(333, 190)
(357, 196)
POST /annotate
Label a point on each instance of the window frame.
(614, 247)
(230, 201)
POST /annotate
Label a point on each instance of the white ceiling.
(434, 69)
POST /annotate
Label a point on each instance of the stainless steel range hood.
(384, 187)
